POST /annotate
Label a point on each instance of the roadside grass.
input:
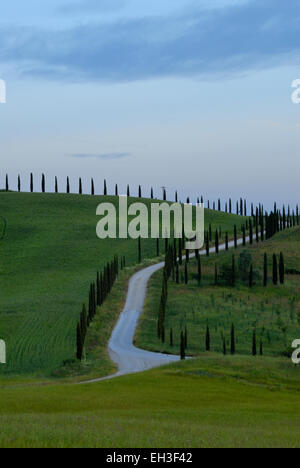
(274, 312)
(49, 256)
(211, 401)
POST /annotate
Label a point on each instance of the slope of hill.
(49, 256)
(272, 313)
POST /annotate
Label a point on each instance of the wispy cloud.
(105, 156)
(258, 34)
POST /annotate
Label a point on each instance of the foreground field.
(49, 256)
(213, 401)
(273, 312)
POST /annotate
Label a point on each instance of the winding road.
(122, 351)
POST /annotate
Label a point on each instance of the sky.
(191, 95)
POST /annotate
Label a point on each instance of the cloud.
(210, 43)
(102, 6)
(105, 156)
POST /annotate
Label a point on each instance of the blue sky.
(194, 95)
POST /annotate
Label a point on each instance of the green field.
(274, 312)
(209, 402)
(49, 256)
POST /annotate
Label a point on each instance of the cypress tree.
(250, 232)
(281, 268)
(6, 183)
(19, 183)
(92, 187)
(254, 350)
(128, 191)
(244, 235)
(217, 242)
(56, 185)
(182, 347)
(80, 186)
(207, 339)
(116, 190)
(105, 188)
(140, 191)
(232, 340)
(68, 185)
(265, 270)
(43, 183)
(176, 196)
(31, 182)
(224, 346)
(275, 270)
(79, 343)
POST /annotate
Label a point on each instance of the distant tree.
(6, 183)
(182, 347)
(207, 339)
(68, 185)
(140, 191)
(31, 182)
(176, 196)
(19, 183)
(217, 242)
(92, 187)
(232, 340)
(250, 232)
(254, 349)
(43, 183)
(152, 194)
(80, 186)
(116, 190)
(56, 185)
(226, 241)
(281, 268)
(128, 191)
(105, 188)
(79, 343)
(275, 270)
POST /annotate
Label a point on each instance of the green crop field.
(273, 312)
(213, 401)
(49, 255)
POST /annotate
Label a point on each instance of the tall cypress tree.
(68, 185)
(80, 186)
(275, 270)
(232, 340)
(226, 241)
(217, 242)
(92, 187)
(250, 232)
(43, 183)
(140, 191)
(19, 183)
(6, 183)
(79, 343)
(254, 348)
(128, 191)
(281, 268)
(105, 188)
(207, 339)
(56, 185)
(116, 190)
(31, 182)
(182, 347)
(235, 237)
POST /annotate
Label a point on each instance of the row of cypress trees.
(99, 290)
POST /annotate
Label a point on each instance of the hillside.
(49, 256)
(272, 312)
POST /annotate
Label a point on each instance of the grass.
(274, 312)
(49, 255)
(212, 401)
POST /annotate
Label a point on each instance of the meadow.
(212, 401)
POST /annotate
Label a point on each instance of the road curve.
(122, 351)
